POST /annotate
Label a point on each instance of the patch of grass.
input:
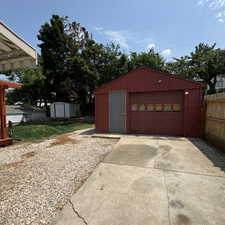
(41, 130)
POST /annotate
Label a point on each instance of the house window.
(219, 83)
(176, 107)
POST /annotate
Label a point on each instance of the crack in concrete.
(77, 213)
(168, 198)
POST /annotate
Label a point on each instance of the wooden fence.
(215, 119)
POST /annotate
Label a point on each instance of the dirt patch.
(183, 220)
(11, 165)
(63, 139)
(176, 204)
(28, 155)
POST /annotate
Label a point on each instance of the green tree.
(33, 88)
(101, 64)
(207, 63)
(61, 46)
(150, 59)
(54, 50)
(180, 67)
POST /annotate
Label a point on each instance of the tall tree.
(54, 51)
(61, 46)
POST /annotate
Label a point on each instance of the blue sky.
(172, 27)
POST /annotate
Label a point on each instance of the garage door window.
(167, 107)
(158, 107)
(134, 107)
(150, 107)
(176, 107)
(142, 107)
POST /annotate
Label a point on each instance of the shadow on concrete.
(214, 154)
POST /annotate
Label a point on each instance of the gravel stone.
(37, 179)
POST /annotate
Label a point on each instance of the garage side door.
(117, 111)
(157, 113)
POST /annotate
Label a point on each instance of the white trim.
(17, 40)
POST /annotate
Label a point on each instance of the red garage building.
(149, 102)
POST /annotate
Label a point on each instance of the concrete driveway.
(153, 181)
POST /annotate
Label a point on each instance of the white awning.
(15, 53)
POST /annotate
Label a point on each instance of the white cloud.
(215, 5)
(220, 14)
(98, 28)
(201, 2)
(118, 37)
(166, 52)
(150, 46)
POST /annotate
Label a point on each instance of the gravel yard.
(36, 179)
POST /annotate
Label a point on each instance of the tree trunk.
(212, 87)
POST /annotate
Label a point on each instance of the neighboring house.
(18, 114)
(220, 84)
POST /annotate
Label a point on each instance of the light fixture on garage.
(159, 81)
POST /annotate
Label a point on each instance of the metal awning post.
(2, 113)
(4, 138)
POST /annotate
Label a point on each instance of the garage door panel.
(157, 123)
(158, 120)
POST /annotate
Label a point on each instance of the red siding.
(145, 82)
(192, 113)
(101, 112)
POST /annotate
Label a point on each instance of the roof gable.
(144, 79)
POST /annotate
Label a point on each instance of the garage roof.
(15, 53)
(144, 79)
